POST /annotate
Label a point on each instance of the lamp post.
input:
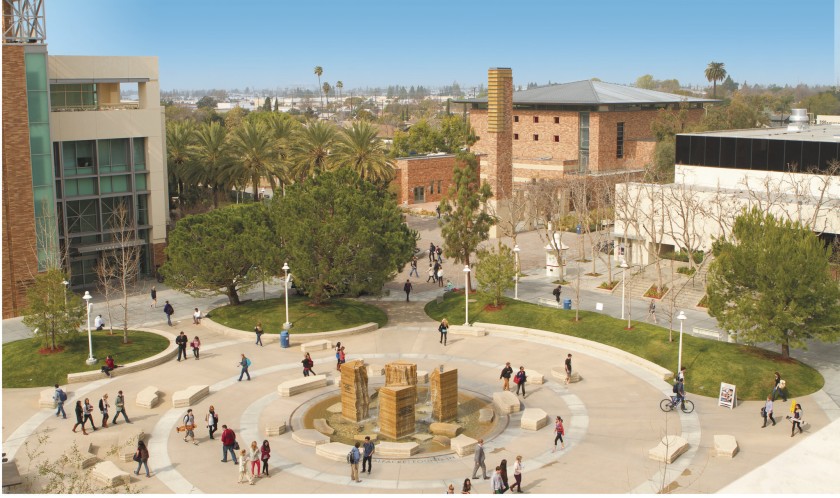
(87, 297)
(287, 325)
(681, 317)
(623, 279)
(516, 286)
(66, 283)
(466, 295)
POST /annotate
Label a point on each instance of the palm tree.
(212, 155)
(327, 88)
(255, 154)
(310, 150)
(179, 138)
(360, 149)
(339, 84)
(282, 129)
(715, 72)
(318, 72)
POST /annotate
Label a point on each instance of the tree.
(548, 204)
(255, 154)
(339, 84)
(213, 161)
(715, 72)
(359, 149)
(770, 282)
(310, 150)
(179, 139)
(206, 102)
(342, 235)
(495, 272)
(465, 222)
(326, 87)
(645, 81)
(267, 104)
(217, 253)
(318, 72)
(54, 312)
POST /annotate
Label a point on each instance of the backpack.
(247, 362)
(556, 291)
(676, 390)
(350, 457)
(62, 396)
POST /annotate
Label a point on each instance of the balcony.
(118, 106)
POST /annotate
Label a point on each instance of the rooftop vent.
(798, 120)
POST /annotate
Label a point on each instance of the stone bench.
(445, 429)
(337, 452)
(87, 457)
(109, 474)
(486, 415)
(534, 377)
(128, 444)
(533, 419)
(506, 402)
(319, 345)
(464, 330)
(45, 400)
(148, 397)
(421, 437)
(725, 446)
(442, 440)
(310, 437)
(303, 384)
(323, 427)
(668, 449)
(463, 445)
(559, 373)
(275, 429)
(189, 396)
(361, 437)
(400, 450)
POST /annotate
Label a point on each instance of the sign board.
(727, 395)
(599, 306)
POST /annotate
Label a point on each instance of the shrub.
(683, 256)
(608, 285)
(686, 270)
(655, 292)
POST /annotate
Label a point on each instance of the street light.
(287, 325)
(681, 317)
(66, 283)
(466, 295)
(516, 287)
(87, 297)
(623, 279)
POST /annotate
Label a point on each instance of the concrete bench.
(463, 445)
(421, 437)
(668, 449)
(486, 415)
(533, 419)
(506, 402)
(128, 444)
(310, 437)
(87, 457)
(319, 345)
(275, 429)
(444, 429)
(534, 377)
(559, 373)
(361, 437)
(323, 427)
(442, 440)
(303, 384)
(189, 396)
(725, 446)
(464, 330)
(109, 474)
(148, 397)
(337, 452)
(422, 377)
(399, 450)
(45, 399)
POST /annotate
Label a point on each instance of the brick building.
(423, 178)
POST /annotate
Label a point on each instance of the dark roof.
(592, 92)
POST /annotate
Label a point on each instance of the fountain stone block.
(463, 445)
(444, 393)
(444, 429)
(399, 450)
(355, 399)
(323, 427)
(310, 437)
(534, 419)
(337, 452)
(486, 415)
(396, 411)
(441, 440)
(534, 377)
(506, 402)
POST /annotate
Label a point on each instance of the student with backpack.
(244, 363)
(557, 290)
(169, 310)
(60, 397)
(519, 379)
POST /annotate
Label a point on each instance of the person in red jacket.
(228, 442)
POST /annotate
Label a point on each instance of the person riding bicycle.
(679, 390)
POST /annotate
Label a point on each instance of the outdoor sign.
(727, 395)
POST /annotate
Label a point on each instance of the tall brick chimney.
(500, 132)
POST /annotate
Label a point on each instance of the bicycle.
(668, 404)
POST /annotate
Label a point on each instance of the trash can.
(567, 304)
(284, 338)
(578, 229)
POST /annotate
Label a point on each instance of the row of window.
(537, 119)
(86, 216)
(536, 137)
(89, 157)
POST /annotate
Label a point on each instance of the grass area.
(24, 366)
(709, 362)
(306, 318)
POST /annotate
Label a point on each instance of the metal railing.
(119, 106)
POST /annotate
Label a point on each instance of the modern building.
(73, 151)
(423, 178)
(789, 172)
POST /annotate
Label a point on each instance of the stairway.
(695, 288)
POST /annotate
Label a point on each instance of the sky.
(276, 44)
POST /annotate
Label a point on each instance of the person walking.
(103, 409)
(182, 341)
(467, 487)
(259, 331)
(59, 397)
(88, 413)
(80, 417)
(503, 467)
(505, 376)
(767, 412)
(189, 426)
(479, 460)
(169, 310)
(519, 379)
(568, 369)
(211, 420)
(407, 288)
(196, 345)
(153, 294)
(141, 456)
(228, 443)
(440, 276)
(496, 483)
(265, 454)
(517, 474)
(431, 251)
(244, 363)
(437, 210)
(557, 290)
(254, 457)
(432, 274)
(243, 466)
(196, 317)
(796, 420)
(651, 316)
(338, 356)
(439, 252)
(307, 365)
(779, 387)
(450, 490)
(119, 407)
(354, 458)
(342, 358)
(443, 328)
(414, 268)
(367, 460)
(559, 432)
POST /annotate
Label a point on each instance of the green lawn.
(24, 366)
(709, 362)
(337, 314)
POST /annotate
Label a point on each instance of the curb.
(144, 364)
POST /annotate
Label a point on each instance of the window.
(113, 155)
(557, 138)
(78, 158)
(516, 136)
(432, 187)
(556, 120)
(516, 119)
(82, 216)
(439, 184)
(536, 138)
(74, 96)
(619, 140)
(584, 130)
(536, 119)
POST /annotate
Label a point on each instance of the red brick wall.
(20, 263)
(421, 171)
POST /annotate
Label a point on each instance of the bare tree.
(684, 212)
(106, 281)
(120, 264)
(547, 207)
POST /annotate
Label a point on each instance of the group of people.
(779, 390)
(365, 455)
(84, 409)
(435, 273)
(521, 378)
(182, 340)
(499, 481)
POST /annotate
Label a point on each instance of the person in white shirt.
(517, 474)
(496, 481)
(197, 317)
(99, 323)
